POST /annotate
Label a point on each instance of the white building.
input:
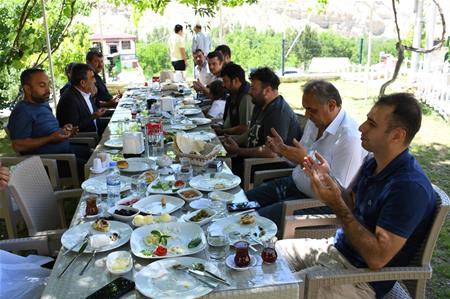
(122, 43)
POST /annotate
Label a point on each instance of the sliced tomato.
(160, 251)
(179, 183)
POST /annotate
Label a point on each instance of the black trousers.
(179, 65)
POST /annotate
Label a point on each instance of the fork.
(186, 270)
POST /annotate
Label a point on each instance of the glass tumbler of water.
(138, 185)
(218, 244)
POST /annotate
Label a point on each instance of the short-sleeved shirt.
(30, 120)
(278, 115)
(102, 91)
(239, 108)
(399, 199)
(176, 42)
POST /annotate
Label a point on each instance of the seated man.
(218, 96)
(103, 98)
(225, 51)
(201, 69)
(270, 111)
(385, 213)
(239, 106)
(329, 131)
(33, 127)
(76, 106)
(68, 71)
(215, 63)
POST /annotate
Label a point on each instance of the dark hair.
(178, 28)
(26, 75)
(92, 54)
(224, 49)
(267, 77)
(198, 26)
(407, 113)
(217, 89)
(215, 54)
(233, 70)
(68, 69)
(323, 90)
(79, 72)
(198, 50)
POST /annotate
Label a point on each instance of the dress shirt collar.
(336, 123)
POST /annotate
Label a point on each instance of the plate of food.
(114, 143)
(215, 181)
(165, 187)
(221, 195)
(159, 204)
(150, 176)
(97, 184)
(200, 217)
(191, 102)
(189, 194)
(140, 220)
(200, 121)
(135, 164)
(102, 235)
(250, 227)
(163, 240)
(191, 111)
(161, 279)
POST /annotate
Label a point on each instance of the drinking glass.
(185, 171)
(219, 206)
(218, 244)
(138, 185)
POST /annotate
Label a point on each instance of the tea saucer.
(230, 263)
(102, 170)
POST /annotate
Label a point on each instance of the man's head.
(68, 69)
(393, 121)
(35, 85)
(264, 86)
(198, 28)
(199, 57)
(178, 29)
(233, 77)
(321, 101)
(225, 51)
(217, 89)
(215, 62)
(95, 59)
(83, 77)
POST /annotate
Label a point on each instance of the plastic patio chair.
(413, 277)
(33, 193)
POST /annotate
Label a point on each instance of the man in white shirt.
(215, 64)
(200, 40)
(177, 49)
(329, 131)
(201, 69)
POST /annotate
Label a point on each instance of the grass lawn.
(431, 147)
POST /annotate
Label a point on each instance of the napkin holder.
(133, 143)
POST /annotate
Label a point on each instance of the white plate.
(156, 219)
(181, 234)
(138, 165)
(159, 280)
(199, 121)
(114, 143)
(201, 135)
(183, 127)
(232, 224)
(201, 203)
(152, 204)
(215, 181)
(75, 234)
(230, 263)
(221, 195)
(188, 216)
(172, 190)
(188, 199)
(97, 184)
(191, 111)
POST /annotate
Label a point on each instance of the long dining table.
(260, 281)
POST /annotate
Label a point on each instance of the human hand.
(59, 136)
(321, 166)
(4, 178)
(198, 86)
(325, 188)
(230, 145)
(98, 113)
(275, 143)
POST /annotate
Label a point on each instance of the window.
(112, 49)
(126, 45)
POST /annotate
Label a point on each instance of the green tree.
(153, 57)
(308, 46)
(335, 45)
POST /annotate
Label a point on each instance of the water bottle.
(113, 184)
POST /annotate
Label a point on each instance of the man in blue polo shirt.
(385, 213)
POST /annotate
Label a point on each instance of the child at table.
(218, 96)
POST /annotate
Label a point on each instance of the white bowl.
(113, 256)
(189, 199)
(210, 212)
(164, 161)
(121, 217)
(221, 195)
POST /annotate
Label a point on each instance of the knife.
(88, 262)
(235, 214)
(210, 275)
(80, 252)
(201, 280)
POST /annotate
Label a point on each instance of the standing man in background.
(177, 49)
(200, 40)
